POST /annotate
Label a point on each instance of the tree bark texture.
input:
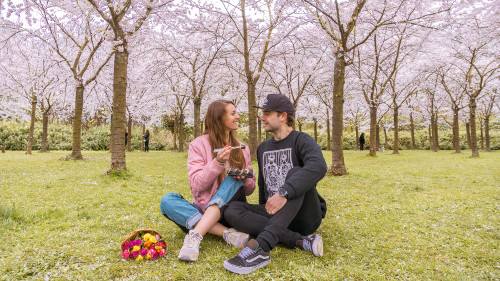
(395, 149)
(32, 124)
(259, 127)
(487, 132)
(357, 137)
(76, 149)
(472, 121)
(412, 132)
(338, 166)
(434, 126)
(197, 115)
(430, 138)
(373, 130)
(482, 136)
(118, 122)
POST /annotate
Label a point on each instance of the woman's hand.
(223, 155)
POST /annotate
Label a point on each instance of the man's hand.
(275, 203)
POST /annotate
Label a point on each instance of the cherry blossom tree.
(124, 18)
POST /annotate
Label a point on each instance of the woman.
(211, 189)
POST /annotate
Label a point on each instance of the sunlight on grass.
(417, 215)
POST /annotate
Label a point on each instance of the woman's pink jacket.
(203, 171)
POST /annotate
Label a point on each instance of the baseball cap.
(277, 102)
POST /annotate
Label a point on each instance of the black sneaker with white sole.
(249, 259)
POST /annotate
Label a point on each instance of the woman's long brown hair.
(216, 131)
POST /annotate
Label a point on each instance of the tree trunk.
(412, 132)
(328, 132)
(118, 122)
(467, 129)
(252, 120)
(395, 149)
(300, 126)
(315, 129)
(76, 150)
(268, 135)
(338, 166)
(456, 132)
(129, 136)
(181, 132)
(373, 130)
(45, 124)
(197, 114)
(472, 121)
(176, 129)
(481, 128)
(487, 132)
(32, 124)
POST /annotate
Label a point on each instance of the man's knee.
(233, 211)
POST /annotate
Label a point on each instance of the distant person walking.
(126, 139)
(146, 141)
(362, 141)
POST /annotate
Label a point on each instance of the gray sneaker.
(191, 248)
(235, 238)
(313, 243)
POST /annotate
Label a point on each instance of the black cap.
(277, 102)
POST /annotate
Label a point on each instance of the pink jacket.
(203, 171)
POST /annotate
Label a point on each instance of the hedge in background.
(14, 136)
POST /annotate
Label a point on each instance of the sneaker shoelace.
(306, 244)
(246, 252)
(192, 241)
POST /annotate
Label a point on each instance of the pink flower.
(157, 237)
(137, 242)
(152, 252)
(162, 253)
(133, 255)
(125, 254)
(143, 252)
(155, 256)
(162, 245)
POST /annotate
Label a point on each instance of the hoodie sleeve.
(312, 172)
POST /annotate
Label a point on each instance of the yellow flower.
(147, 244)
(152, 239)
(147, 236)
(139, 258)
(148, 256)
(136, 248)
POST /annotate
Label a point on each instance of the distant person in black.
(290, 209)
(126, 138)
(146, 141)
(362, 141)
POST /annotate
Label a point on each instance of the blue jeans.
(175, 208)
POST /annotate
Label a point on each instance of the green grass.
(414, 216)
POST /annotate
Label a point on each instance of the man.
(290, 209)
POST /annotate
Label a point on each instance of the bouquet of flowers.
(144, 244)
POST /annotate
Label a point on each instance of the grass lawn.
(414, 216)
